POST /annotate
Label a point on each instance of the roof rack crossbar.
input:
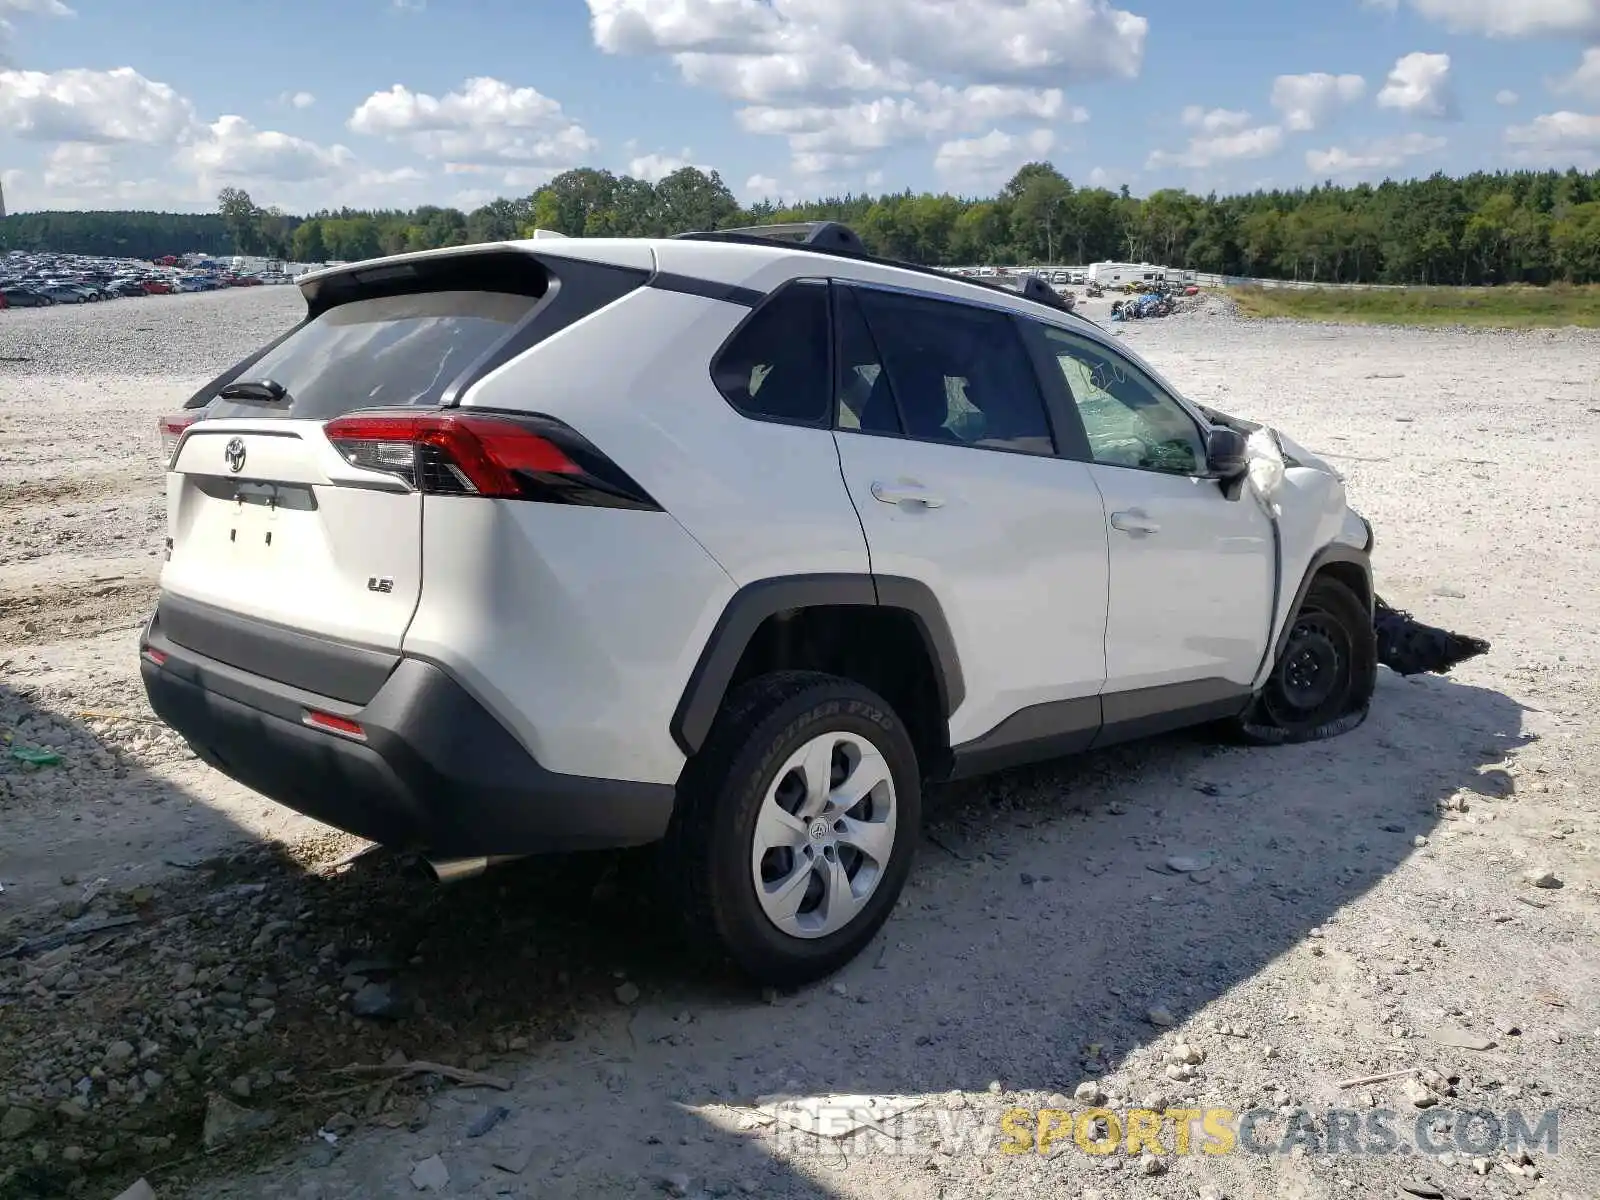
(832, 237)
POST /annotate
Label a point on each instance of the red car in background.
(157, 287)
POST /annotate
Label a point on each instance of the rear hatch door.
(268, 520)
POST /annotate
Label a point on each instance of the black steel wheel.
(1323, 680)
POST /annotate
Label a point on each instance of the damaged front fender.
(1304, 497)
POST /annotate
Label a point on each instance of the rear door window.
(383, 352)
(954, 373)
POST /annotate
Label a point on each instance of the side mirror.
(1226, 457)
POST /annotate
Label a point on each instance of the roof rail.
(1036, 289)
(832, 237)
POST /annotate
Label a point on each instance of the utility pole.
(2, 201)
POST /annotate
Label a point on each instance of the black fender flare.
(1333, 552)
(755, 602)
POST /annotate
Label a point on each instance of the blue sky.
(108, 104)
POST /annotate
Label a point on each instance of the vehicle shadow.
(1043, 925)
(104, 804)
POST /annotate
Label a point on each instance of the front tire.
(796, 826)
(1322, 684)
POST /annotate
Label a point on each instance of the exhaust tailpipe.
(454, 870)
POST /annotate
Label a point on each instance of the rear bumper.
(435, 770)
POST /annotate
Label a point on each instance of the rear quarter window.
(775, 367)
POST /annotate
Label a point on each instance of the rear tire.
(1322, 684)
(795, 828)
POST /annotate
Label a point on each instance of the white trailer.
(1115, 274)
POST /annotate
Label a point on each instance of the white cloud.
(653, 168)
(639, 27)
(1584, 80)
(901, 67)
(297, 99)
(486, 119)
(100, 107)
(513, 179)
(81, 175)
(874, 124)
(984, 163)
(1556, 139)
(379, 179)
(120, 140)
(804, 72)
(1381, 154)
(1216, 120)
(1420, 85)
(527, 179)
(827, 138)
(1505, 98)
(471, 198)
(73, 164)
(761, 187)
(1305, 101)
(1515, 18)
(879, 43)
(232, 149)
(1221, 146)
(25, 8)
(1099, 177)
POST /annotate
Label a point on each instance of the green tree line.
(1505, 227)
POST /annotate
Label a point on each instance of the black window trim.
(1200, 425)
(1011, 314)
(827, 418)
(1072, 438)
(835, 288)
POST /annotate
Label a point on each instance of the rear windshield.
(379, 353)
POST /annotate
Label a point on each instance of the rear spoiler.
(379, 274)
(493, 264)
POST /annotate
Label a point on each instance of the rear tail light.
(491, 455)
(172, 430)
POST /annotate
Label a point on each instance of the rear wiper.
(263, 391)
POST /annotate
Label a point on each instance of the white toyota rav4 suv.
(728, 541)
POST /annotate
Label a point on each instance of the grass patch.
(1496, 308)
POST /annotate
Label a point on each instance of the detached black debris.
(1408, 647)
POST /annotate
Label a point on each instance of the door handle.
(1134, 521)
(906, 493)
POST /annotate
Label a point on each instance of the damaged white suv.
(729, 541)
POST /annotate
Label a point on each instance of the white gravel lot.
(1364, 901)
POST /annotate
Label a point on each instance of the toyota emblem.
(234, 455)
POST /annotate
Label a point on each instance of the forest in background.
(1481, 229)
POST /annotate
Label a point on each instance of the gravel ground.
(1168, 925)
